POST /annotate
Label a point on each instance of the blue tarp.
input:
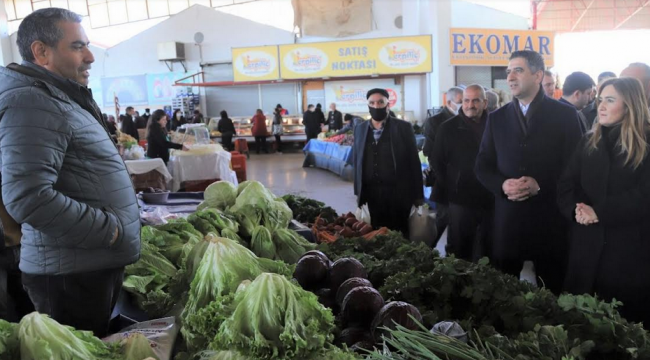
(333, 150)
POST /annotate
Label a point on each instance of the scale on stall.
(196, 134)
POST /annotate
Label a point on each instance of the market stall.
(329, 156)
(192, 166)
(148, 173)
(222, 278)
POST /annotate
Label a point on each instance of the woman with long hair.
(605, 192)
(158, 142)
(227, 130)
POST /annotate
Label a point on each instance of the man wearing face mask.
(387, 170)
(430, 129)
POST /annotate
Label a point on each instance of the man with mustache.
(454, 156)
(387, 170)
(63, 179)
(524, 150)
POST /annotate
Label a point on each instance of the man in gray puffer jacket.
(62, 178)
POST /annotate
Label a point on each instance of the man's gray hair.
(479, 88)
(493, 99)
(42, 25)
(643, 66)
(453, 92)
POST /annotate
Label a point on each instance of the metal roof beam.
(584, 12)
(642, 5)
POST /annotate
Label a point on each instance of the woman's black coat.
(158, 145)
(612, 257)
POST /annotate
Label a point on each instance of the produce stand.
(231, 294)
(329, 156)
(184, 167)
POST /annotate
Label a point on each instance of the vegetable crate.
(238, 164)
(197, 185)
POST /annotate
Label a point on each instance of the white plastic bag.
(422, 225)
(161, 333)
(363, 214)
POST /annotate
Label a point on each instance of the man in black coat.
(128, 123)
(590, 111)
(430, 129)
(334, 118)
(312, 122)
(469, 202)
(576, 92)
(524, 150)
(387, 170)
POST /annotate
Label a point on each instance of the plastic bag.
(422, 225)
(134, 153)
(363, 214)
(161, 333)
(451, 329)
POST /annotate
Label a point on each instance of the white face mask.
(178, 116)
(457, 106)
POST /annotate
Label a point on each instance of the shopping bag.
(422, 225)
(363, 214)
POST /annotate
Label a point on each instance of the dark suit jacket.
(129, 127)
(335, 120)
(612, 256)
(454, 157)
(405, 158)
(430, 130)
(540, 150)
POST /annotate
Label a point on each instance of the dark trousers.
(442, 220)
(467, 237)
(84, 301)
(278, 143)
(312, 136)
(384, 209)
(226, 141)
(260, 143)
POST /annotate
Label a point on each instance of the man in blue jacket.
(525, 147)
(387, 170)
(62, 178)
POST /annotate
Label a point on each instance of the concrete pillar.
(6, 53)
(423, 17)
(442, 77)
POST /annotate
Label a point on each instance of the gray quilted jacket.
(63, 180)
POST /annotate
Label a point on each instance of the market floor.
(284, 174)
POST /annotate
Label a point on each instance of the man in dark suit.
(128, 123)
(430, 129)
(576, 92)
(469, 202)
(590, 111)
(387, 170)
(524, 150)
(334, 118)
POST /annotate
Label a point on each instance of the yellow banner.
(255, 63)
(398, 55)
(491, 47)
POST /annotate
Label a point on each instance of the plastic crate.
(238, 164)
